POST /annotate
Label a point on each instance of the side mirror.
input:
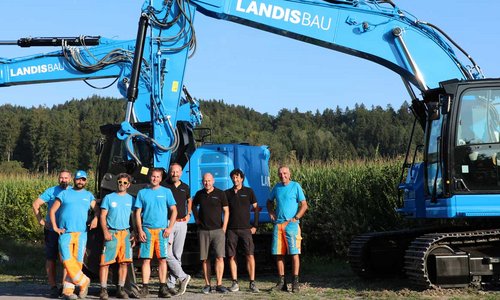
(433, 111)
(445, 101)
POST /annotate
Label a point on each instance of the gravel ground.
(340, 285)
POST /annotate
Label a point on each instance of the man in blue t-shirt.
(71, 207)
(51, 238)
(152, 206)
(286, 205)
(115, 223)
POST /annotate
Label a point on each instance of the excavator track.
(420, 265)
(381, 254)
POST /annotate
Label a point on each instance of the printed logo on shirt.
(86, 199)
(128, 204)
(114, 204)
(160, 196)
(215, 197)
(243, 195)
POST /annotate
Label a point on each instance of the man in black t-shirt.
(240, 200)
(208, 206)
(182, 196)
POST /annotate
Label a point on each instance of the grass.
(21, 262)
(22, 265)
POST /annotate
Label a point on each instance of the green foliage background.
(46, 139)
(345, 199)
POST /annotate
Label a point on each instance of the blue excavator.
(457, 181)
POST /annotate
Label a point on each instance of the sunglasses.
(123, 182)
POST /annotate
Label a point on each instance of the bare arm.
(173, 218)
(138, 221)
(52, 214)
(36, 209)
(302, 210)
(270, 210)
(190, 209)
(97, 211)
(104, 224)
(195, 214)
(256, 212)
(226, 218)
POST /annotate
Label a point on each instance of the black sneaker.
(133, 291)
(163, 292)
(295, 284)
(145, 292)
(281, 285)
(253, 288)
(120, 293)
(206, 289)
(221, 289)
(173, 291)
(54, 292)
(103, 294)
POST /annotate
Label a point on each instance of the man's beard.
(64, 185)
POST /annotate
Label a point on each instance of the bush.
(12, 167)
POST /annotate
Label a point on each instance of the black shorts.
(242, 235)
(51, 244)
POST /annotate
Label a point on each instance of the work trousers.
(175, 249)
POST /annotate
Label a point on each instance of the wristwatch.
(296, 218)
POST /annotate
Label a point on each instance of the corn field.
(17, 193)
(345, 199)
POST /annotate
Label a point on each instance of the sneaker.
(84, 288)
(183, 285)
(173, 291)
(144, 292)
(295, 284)
(234, 287)
(281, 285)
(221, 289)
(54, 292)
(163, 292)
(70, 297)
(206, 289)
(134, 291)
(120, 293)
(103, 294)
(253, 288)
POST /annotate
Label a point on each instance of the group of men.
(160, 215)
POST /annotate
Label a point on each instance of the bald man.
(209, 204)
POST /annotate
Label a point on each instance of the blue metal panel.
(220, 160)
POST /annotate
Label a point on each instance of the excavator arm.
(149, 71)
(374, 30)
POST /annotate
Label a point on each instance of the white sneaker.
(183, 285)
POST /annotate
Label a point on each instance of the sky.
(242, 65)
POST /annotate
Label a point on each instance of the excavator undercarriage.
(429, 258)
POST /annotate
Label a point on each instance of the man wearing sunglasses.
(71, 225)
(115, 222)
(151, 210)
